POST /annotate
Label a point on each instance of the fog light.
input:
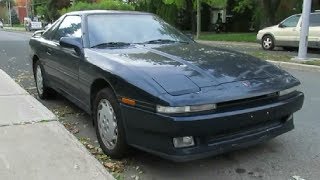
(182, 142)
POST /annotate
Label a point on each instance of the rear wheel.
(267, 42)
(43, 91)
(109, 125)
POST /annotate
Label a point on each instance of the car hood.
(271, 27)
(186, 68)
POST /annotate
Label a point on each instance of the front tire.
(109, 124)
(268, 42)
(42, 89)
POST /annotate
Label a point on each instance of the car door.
(287, 33)
(314, 31)
(45, 57)
(66, 61)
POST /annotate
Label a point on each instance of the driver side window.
(291, 21)
(70, 27)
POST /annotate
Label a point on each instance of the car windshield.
(123, 29)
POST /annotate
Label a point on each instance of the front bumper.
(259, 37)
(214, 134)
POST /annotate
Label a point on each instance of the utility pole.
(198, 18)
(303, 46)
(10, 18)
(27, 8)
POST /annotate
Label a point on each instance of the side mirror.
(281, 25)
(71, 42)
(47, 26)
(190, 35)
(38, 33)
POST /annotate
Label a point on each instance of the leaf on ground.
(297, 178)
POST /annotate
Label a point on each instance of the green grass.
(271, 56)
(283, 58)
(18, 25)
(235, 37)
(316, 62)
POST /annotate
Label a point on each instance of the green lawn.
(236, 37)
(285, 58)
(18, 25)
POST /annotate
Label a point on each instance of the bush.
(14, 17)
(102, 5)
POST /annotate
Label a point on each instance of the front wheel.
(267, 42)
(109, 124)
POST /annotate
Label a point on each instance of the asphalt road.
(296, 153)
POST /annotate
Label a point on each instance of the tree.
(191, 5)
(49, 9)
(54, 6)
(14, 17)
(4, 9)
(167, 12)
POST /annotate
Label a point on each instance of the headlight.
(185, 109)
(288, 91)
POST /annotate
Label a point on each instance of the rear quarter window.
(314, 20)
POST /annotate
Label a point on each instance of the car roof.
(312, 13)
(89, 12)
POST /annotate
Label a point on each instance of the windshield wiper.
(111, 44)
(163, 41)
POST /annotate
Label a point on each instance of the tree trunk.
(270, 9)
(190, 12)
(198, 18)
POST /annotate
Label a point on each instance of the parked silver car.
(287, 33)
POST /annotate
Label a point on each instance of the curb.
(17, 31)
(296, 66)
(47, 120)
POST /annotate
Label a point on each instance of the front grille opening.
(250, 129)
(249, 101)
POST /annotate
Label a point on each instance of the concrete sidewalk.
(34, 145)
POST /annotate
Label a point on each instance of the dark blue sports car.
(149, 86)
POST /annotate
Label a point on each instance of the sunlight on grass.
(236, 37)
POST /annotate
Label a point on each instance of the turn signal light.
(128, 101)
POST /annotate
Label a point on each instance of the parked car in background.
(1, 25)
(32, 25)
(149, 86)
(287, 33)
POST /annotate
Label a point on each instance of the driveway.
(296, 153)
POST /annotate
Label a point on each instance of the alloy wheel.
(267, 43)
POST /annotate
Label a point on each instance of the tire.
(42, 89)
(104, 118)
(268, 42)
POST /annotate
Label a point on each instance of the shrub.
(102, 5)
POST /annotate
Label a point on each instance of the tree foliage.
(14, 17)
(243, 5)
(102, 5)
(266, 12)
(183, 3)
(168, 12)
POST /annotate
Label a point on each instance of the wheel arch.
(97, 85)
(35, 58)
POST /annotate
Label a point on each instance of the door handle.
(49, 51)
